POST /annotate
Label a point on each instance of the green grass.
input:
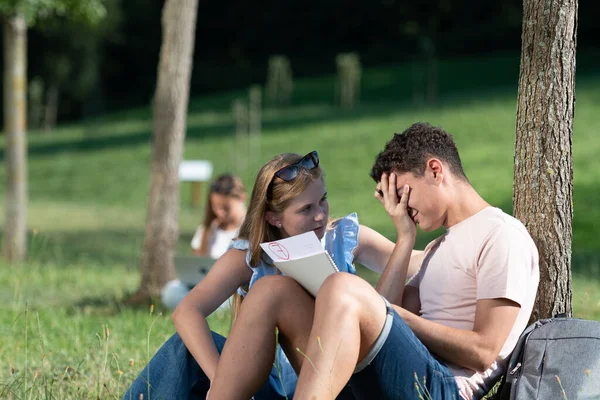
(88, 185)
(55, 343)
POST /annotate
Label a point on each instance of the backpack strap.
(514, 362)
(517, 353)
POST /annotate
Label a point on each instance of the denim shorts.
(399, 366)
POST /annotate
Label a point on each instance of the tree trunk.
(543, 185)
(15, 120)
(170, 112)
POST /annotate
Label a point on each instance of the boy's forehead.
(403, 178)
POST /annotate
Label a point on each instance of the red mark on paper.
(279, 250)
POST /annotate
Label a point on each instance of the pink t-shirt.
(489, 255)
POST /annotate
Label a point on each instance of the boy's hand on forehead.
(395, 202)
(386, 189)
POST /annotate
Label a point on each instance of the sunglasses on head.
(290, 172)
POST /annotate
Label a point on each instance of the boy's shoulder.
(493, 220)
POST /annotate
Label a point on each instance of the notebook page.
(293, 248)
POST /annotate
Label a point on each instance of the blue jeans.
(402, 364)
(173, 373)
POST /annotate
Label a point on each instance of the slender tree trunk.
(543, 185)
(170, 112)
(15, 120)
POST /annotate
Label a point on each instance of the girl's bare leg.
(349, 316)
(249, 352)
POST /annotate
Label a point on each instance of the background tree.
(69, 59)
(16, 15)
(170, 113)
(543, 180)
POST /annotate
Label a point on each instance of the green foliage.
(68, 56)
(88, 11)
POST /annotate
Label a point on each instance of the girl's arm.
(197, 241)
(374, 250)
(229, 272)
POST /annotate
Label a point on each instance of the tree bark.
(15, 120)
(543, 180)
(170, 112)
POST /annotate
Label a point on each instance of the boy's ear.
(436, 169)
(273, 219)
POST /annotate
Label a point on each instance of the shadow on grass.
(284, 119)
(100, 306)
(112, 305)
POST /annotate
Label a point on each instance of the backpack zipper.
(515, 369)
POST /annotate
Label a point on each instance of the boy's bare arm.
(476, 349)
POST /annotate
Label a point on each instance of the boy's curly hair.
(408, 152)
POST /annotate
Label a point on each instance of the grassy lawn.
(64, 331)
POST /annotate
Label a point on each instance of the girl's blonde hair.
(227, 185)
(270, 193)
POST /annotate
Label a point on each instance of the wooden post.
(280, 83)
(349, 74)
(196, 172)
(241, 117)
(196, 194)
